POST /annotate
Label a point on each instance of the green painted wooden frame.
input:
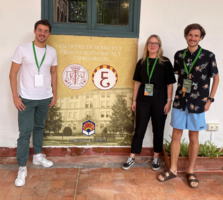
(91, 28)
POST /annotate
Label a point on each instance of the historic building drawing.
(94, 105)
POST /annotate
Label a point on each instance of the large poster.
(95, 91)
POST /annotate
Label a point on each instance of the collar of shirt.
(193, 54)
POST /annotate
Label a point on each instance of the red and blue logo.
(88, 128)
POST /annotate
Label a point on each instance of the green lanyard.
(198, 54)
(37, 64)
(151, 73)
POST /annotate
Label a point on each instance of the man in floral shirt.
(194, 67)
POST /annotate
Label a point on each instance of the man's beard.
(40, 40)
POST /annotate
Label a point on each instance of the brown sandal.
(166, 178)
(192, 180)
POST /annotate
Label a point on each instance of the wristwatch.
(211, 99)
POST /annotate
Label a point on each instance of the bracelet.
(169, 100)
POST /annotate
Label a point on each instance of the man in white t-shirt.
(36, 63)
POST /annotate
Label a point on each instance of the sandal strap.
(191, 174)
(164, 175)
(193, 181)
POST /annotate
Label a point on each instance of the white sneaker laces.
(43, 156)
(21, 174)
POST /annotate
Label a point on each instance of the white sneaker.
(21, 178)
(41, 160)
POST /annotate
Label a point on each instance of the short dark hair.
(193, 27)
(43, 22)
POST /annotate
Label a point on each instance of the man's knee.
(177, 134)
(193, 136)
(24, 139)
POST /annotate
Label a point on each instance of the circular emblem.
(105, 77)
(75, 76)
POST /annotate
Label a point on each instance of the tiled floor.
(102, 182)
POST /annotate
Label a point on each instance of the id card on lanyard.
(187, 83)
(38, 77)
(148, 91)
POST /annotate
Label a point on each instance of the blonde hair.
(159, 53)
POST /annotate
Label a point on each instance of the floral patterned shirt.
(204, 68)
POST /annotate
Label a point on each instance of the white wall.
(168, 19)
(17, 20)
(165, 18)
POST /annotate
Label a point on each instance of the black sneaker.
(128, 163)
(156, 164)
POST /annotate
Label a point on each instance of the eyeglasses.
(153, 43)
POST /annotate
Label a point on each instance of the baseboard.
(78, 151)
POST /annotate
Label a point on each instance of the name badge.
(38, 80)
(187, 86)
(148, 89)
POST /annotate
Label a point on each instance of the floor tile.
(101, 183)
(129, 176)
(131, 182)
(132, 190)
(4, 192)
(6, 184)
(26, 198)
(4, 173)
(106, 170)
(95, 176)
(28, 192)
(106, 176)
(70, 184)
(68, 192)
(211, 197)
(119, 182)
(105, 183)
(118, 176)
(65, 177)
(39, 198)
(10, 197)
(11, 176)
(81, 197)
(67, 198)
(107, 194)
(15, 191)
(33, 182)
(42, 192)
(124, 197)
(57, 184)
(35, 171)
(158, 192)
(146, 197)
(118, 189)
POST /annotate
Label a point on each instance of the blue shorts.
(184, 120)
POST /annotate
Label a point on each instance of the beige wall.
(165, 18)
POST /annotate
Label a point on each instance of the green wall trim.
(91, 28)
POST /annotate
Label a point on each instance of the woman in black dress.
(152, 97)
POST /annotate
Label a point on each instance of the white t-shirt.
(24, 55)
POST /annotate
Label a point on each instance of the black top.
(162, 76)
(204, 69)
